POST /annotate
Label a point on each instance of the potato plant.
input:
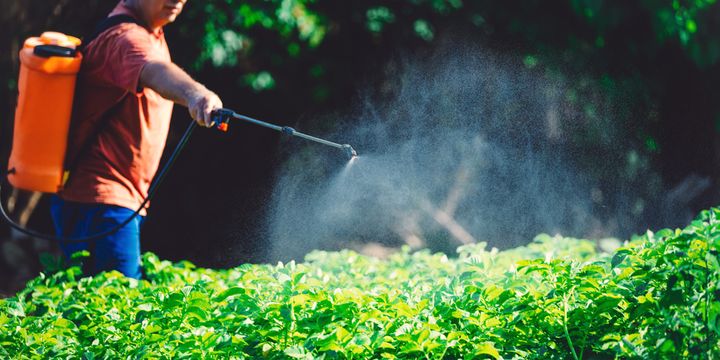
(656, 296)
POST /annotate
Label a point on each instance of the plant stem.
(567, 334)
(582, 348)
(711, 221)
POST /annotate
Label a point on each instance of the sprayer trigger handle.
(221, 117)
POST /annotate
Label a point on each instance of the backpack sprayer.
(49, 65)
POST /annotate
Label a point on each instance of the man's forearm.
(170, 81)
(173, 83)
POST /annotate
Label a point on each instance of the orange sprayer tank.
(48, 68)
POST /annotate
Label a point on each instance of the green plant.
(556, 298)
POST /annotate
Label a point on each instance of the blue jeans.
(118, 251)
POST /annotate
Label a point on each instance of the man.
(124, 98)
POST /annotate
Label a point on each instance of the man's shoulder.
(125, 30)
(123, 36)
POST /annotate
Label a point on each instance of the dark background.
(656, 62)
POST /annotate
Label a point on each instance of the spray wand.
(222, 117)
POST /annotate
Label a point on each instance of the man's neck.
(134, 6)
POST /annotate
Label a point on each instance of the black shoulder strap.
(107, 23)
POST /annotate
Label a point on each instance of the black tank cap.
(47, 51)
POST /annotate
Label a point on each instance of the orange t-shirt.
(118, 163)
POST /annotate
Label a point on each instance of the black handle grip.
(47, 51)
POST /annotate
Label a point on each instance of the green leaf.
(64, 323)
(15, 308)
(196, 312)
(672, 297)
(51, 263)
(617, 259)
(424, 30)
(80, 255)
(487, 348)
(233, 291)
(666, 346)
(175, 300)
(297, 352)
(153, 328)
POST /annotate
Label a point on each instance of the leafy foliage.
(271, 33)
(657, 296)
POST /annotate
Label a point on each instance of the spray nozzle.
(349, 151)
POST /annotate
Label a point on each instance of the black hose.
(151, 192)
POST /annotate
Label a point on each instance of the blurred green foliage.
(261, 39)
(228, 24)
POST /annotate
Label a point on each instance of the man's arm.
(173, 83)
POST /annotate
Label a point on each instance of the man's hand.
(201, 104)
